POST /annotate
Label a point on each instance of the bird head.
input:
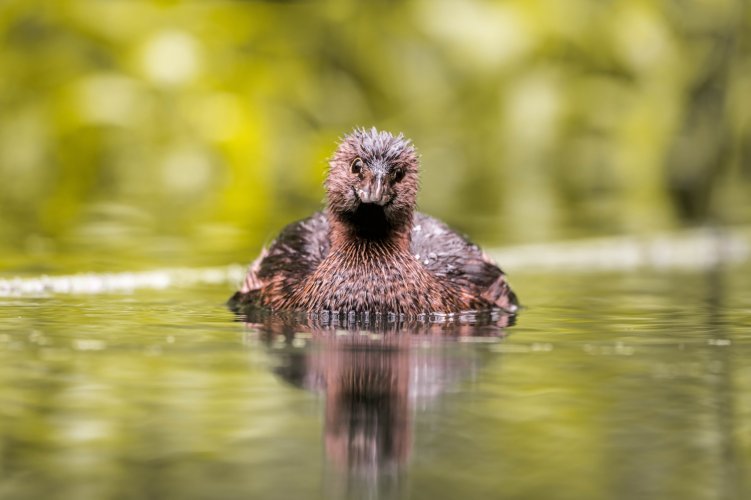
(373, 170)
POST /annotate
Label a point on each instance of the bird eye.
(356, 165)
(397, 174)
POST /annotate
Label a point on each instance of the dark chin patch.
(373, 222)
(370, 221)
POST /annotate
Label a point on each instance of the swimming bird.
(369, 250)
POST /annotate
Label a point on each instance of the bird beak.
(375, 191)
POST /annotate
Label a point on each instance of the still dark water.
(624, 385)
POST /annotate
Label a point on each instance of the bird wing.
(292, 256)
(452, 257)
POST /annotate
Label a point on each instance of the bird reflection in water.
(373, 373)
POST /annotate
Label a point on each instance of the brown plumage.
(370, 250)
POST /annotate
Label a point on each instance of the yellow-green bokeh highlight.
(122, 121)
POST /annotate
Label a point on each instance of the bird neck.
(370, 227)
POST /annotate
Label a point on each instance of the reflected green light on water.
(609, 385)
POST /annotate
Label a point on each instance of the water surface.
(609, 385)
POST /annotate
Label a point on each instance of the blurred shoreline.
(689, 250)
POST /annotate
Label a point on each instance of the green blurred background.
(136, 133)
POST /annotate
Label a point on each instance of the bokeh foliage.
(212, 120)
